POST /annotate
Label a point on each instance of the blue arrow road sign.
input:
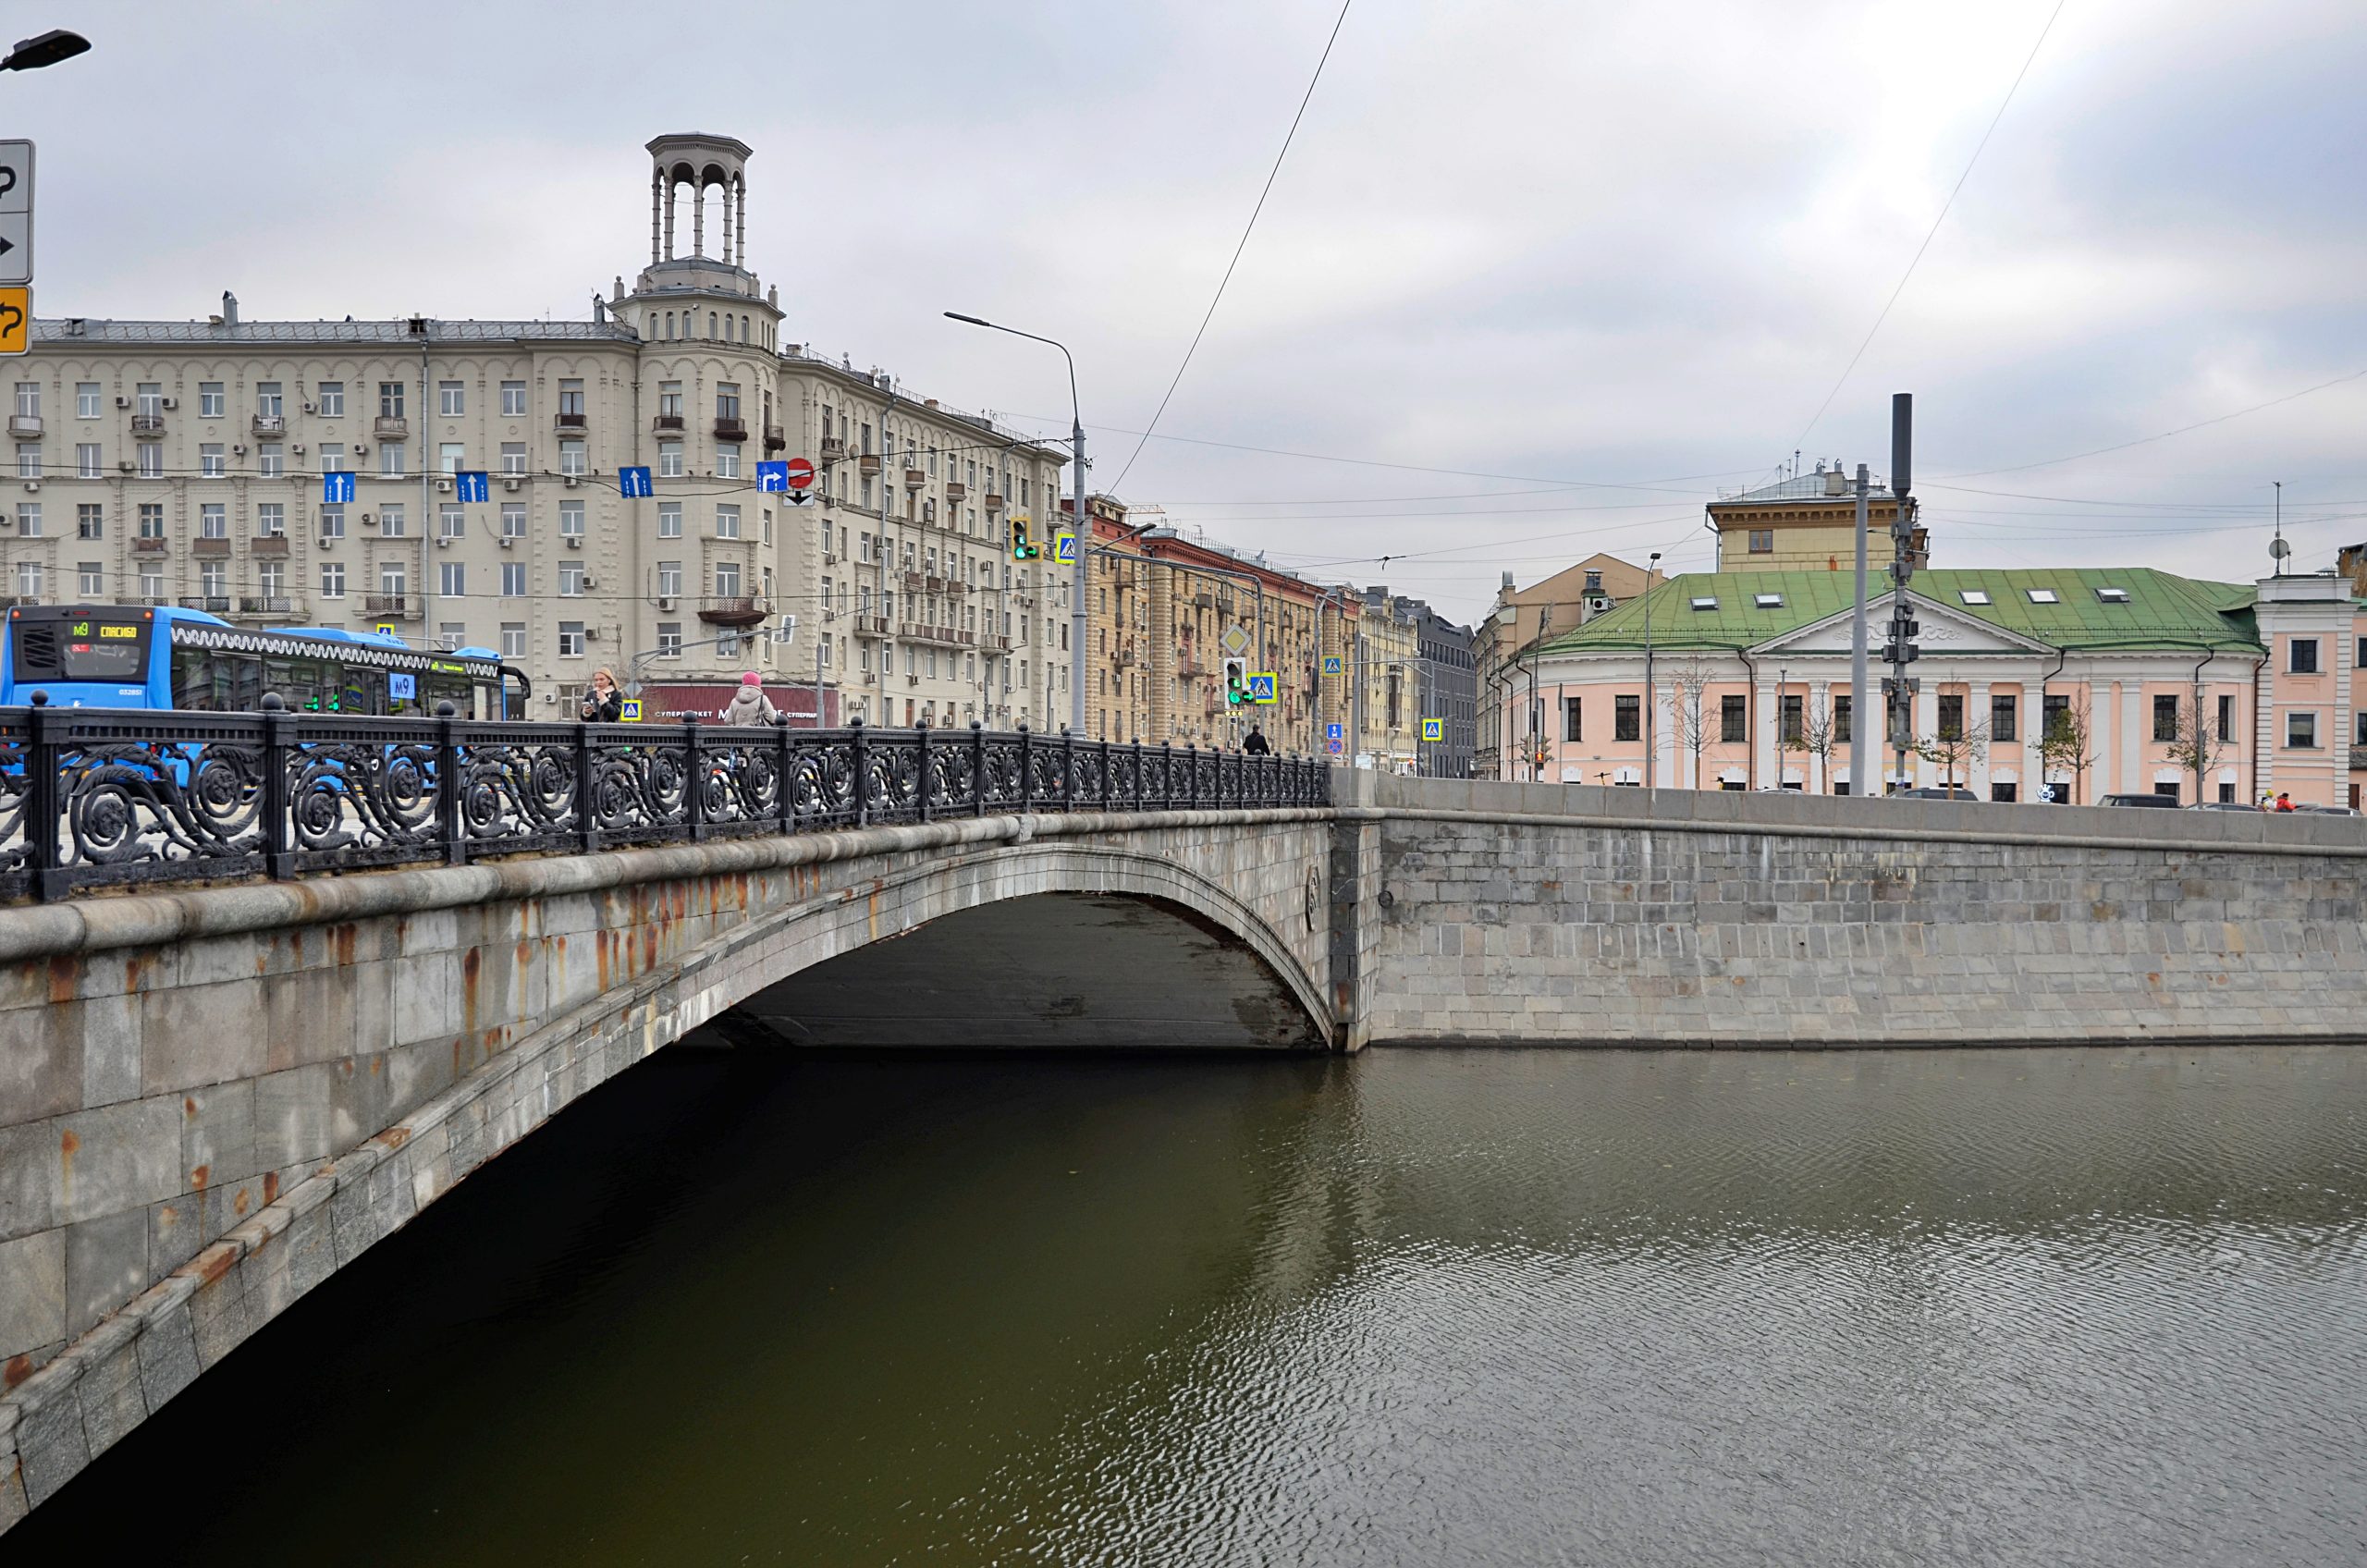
(772, 476)
(633, 481)
(471, 487)
(1335, 731)
(336, 488)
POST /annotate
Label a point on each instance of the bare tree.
(1818, 737)
(2068, 743)
(2196, 745)
(1693, 718)
(1954, 748)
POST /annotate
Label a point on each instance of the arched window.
(743, 329)
(710, 323)
(669, 323)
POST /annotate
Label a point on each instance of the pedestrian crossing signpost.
(1434, 730)
(631, 712)
(1261, 687)
(1331, 664)
(1064, 549)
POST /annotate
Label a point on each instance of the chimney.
(229, 309)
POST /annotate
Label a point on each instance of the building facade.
(1451, 692)
(182, 462)
(2064, 684)
(1808, 522)
(1523, 618)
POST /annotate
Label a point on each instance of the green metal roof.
(2163, 610)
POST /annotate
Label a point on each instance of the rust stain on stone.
(271, 1186)
(66, 1144)
(19, 1367)
(471, 963)
(188, 1105)
(2153, 977)
(214, 1262)
(239, 1203)
(341, 944)
(133, 967)
(61, 978)
(604, 957)
(393, 1137)
(197, 1177)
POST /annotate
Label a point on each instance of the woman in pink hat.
(748, 704)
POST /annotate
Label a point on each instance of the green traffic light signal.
(1021, 550)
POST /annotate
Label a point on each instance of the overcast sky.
(1593, 262)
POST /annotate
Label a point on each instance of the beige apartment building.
(1808, 522)
(182, 462)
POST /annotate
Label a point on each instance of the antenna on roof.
(2278, 548)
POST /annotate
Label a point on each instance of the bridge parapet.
(93, 797)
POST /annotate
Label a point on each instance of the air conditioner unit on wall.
(507, 542)
(664, 605)
(588, 582)
(591, 633)
(509, 485)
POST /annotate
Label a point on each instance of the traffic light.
(1021, 549)
(1236, 681)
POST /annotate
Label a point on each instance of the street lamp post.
(45, 49)
(1651, 704)
(1083, 523)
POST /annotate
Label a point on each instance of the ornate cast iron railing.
(92, 796)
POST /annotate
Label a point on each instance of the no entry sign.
(800, 474)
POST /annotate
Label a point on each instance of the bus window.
(452, 688)
(366, 691)
(196, 680)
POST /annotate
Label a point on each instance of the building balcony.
(869, 464)
(730, 429)
(914, 479)
(871, 626)
(209, 547)
(270, 424)
(274, 605)
(150, 601)
(994, 502)
(833, 448)
(398, 606)
(774, 438)
(23, 426)
(940, 636)
(576, 423)
(383, 428)
(993, 642)
(148, 425)
(148, 547)
(912, 580)
(956, 491)
(663, 423)
(733, 612)
(211, 604)
(267, 544)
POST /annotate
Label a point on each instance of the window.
(1733, 720)
(2165, 719)
(1573, 729)
(1790, 718)
(213, 520)
(86, 398)
(451, 456)
(726, 522)
(267, 399)
(1762, 541)
(2228, 719)
(513, 457)
(571, 520)
(2301, 731)
(2302, 655)
(391, 521)
(727, 400)
(28, 579)
(1951, 715)
(2002, 717)
(394, 579)
(451, 399)
(87, 460)
(93, 579)
(513, 519)
(570, 580)
(271, 520)
(332, 457)
(210, 402)
(669, 520)
(669, 639)
(1627, 719)
(152, 583)
(727, 461)
(330, 396)
(669, 460)
(570, 397)
(28, 462)
(2111, 595)
(514, 398)
(29, 520)
(451, 522)
(151, 519)
(513, 580)
(452, 633)
(212, 580)
(210, 463)
(152, 459)
(1767, 601)
(2008, 793)
(29, 400)
(2042, 596)
(268, 461)
(333, 522)
(571, 458)
(391, 460)
(1974, 595)
(452, 580)
(1841, 718)
(669, 580)
(669, 399)
(513, 639)
(390, 399)
(150, 399)
(726, 579)
(570, 639)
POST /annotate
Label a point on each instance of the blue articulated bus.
(159, 657)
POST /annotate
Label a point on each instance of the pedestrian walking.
(749, 704)
(1255, 745)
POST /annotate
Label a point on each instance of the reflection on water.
(1515, 1306)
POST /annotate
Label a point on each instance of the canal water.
(1428, 1308)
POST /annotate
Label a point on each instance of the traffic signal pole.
(1902, 650)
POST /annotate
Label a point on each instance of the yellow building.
(1806, 523)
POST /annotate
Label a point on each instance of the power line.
(2143, 440)
(1950, 202)
(1237, 249)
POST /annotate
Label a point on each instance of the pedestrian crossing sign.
(631, 712)
(1434, 730)
(1261, 687)
(1064, 549)
(1331, 664)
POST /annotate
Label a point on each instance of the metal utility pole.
(1861, 742)
(1651, 699)
(1901, 651)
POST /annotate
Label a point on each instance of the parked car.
(2329, 811)
(2221, 805)
(1936, 793)
(2158, 803)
